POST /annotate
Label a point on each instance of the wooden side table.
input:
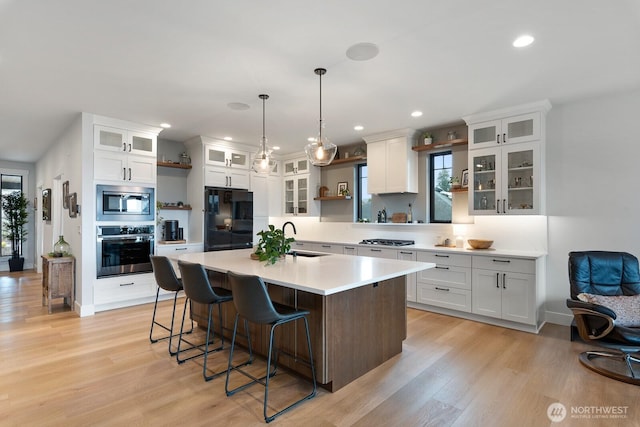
(58, 279)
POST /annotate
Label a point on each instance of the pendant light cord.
(320, 72)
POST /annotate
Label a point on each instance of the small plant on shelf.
(272, 245)
(428, 138)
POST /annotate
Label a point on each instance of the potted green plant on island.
(14, 207)
(272, 245)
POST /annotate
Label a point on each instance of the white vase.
(428, 141)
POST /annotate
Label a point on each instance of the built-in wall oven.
(123, 249)
(124, 203)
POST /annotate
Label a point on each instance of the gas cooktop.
(387, 242)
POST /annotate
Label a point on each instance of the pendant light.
(262, 161)
(321, 151)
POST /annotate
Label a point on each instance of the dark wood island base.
(352, 332)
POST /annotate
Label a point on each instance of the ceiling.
(154, 61)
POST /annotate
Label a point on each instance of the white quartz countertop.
(323, 275)
(514, 253)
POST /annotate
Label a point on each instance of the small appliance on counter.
(171, 230)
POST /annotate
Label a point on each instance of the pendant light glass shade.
(262, 160)
(321, 151)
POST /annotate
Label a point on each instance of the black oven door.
(119, 255)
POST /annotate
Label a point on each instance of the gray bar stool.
(198, 288)
(166, 279)
(252, 302)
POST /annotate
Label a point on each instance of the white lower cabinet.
(409, 255)
(330, 248)
(349, 250)
(113, 292)
(377, 252)
(504, 288)
(446, 285)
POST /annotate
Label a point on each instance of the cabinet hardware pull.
(181, 249)
(326, 246)
(501, 260)
(504, 205)
(504, 280)
(230, 182)
(124, 174)
(129, 174)
(497, 138)
(124, 146)
(442, 289)
(376, 250)
(498, 206)
(406, 253)
(442, 268)
(127, 284)
(498, 280)
(441, 256)
(349, 247)
(504, 138)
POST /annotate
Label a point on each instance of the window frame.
(432, 186)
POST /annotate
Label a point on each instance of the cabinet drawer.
(444, 296)
(444, 258)
(329, 248)
(122, 288)
(514, 265)
(378, 252)
(302, 245)
(449, 276)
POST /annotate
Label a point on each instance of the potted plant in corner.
(14, 206)
(273, 245)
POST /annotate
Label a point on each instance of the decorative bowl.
(480, 244)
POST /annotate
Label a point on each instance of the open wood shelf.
(176, 208)
(441, 144)
(459, 190)
(333, 198)
(174, 165)
(352, 159)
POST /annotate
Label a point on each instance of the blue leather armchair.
(611, 274)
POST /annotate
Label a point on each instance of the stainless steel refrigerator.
(228, 219)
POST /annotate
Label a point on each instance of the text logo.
(556, 412)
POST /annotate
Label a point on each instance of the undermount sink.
(306, 254)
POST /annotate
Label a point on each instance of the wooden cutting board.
(399, 217)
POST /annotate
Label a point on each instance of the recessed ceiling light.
(362, 51)
(358, 127)
(416, 114)
(522, 41)
(239, 106)
(228, 138)
(275, 147)
(165, 125)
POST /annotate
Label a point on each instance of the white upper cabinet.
(510, 130)
(124, 141)
(226, 157)
(506, 160)
(392, 164)
(296, 166)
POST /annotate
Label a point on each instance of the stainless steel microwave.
(124, 203)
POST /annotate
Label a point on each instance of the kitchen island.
(357, 308)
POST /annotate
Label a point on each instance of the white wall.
(64, 162)
(593, 152)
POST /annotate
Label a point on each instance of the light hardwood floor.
(62, 370)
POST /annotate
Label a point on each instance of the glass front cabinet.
(505, 180)
(511, 130)
(296, 195)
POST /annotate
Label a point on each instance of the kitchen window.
(441, 167)
(364, 198)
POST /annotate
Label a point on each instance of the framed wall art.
(65, 194)
(46, 204)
